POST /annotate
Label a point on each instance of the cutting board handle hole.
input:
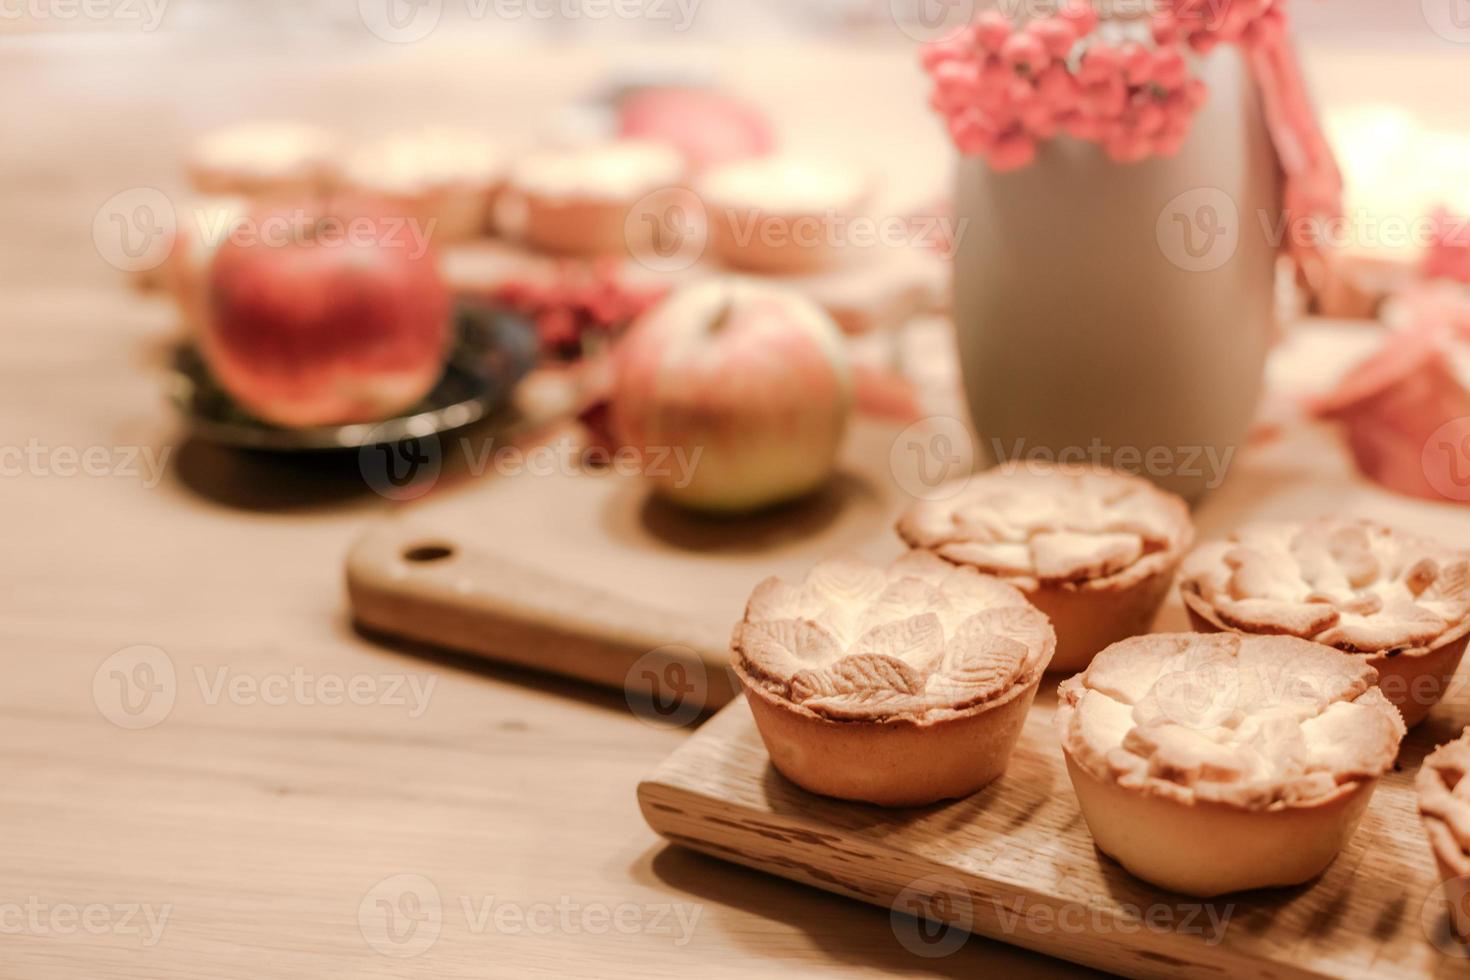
(425, 553)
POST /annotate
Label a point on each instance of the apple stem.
(722, 318)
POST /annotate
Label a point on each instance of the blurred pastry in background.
(578, 200)
(263, 159)
(782, 215)
(445, 176)
(710, 129)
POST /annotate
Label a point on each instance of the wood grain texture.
(584, 574)
(264, 827)
(1016, 860)
(412, 583)
(1015, 863)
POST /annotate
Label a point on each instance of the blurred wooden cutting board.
(586, 575)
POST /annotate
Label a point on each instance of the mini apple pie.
(1208, 764)
(1356, 586)
(1444, 806)
(899, 686)
(264, 159)
(445, 179)
(777, 215)
(585, 200)
(1092, 548)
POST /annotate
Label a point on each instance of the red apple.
(326, 314)
(735, 393)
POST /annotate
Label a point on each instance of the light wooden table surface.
(249, 833)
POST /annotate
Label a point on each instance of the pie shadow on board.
(846, 502)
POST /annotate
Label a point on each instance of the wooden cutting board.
(1015, 863)
(586, 575)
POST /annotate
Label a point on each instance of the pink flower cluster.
(1004, 89)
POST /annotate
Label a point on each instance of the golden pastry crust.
(580, 200)
(899, 685)
(1444, 804)
(1402, 601)
(1174, 740)
(859, 642)
(263, 159)
(1444, 808)
(1092, 548)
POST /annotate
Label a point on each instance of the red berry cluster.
(1003, 89)
(576, 302)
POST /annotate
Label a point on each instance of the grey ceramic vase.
(1122, 313)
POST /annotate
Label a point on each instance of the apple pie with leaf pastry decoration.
(899, 686)
(1209, 764)
(1092, 548)
(1401, 602)
(1444, 807)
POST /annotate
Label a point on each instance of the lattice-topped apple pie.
(1216, 763)
(1402, 601)
(1092, 548)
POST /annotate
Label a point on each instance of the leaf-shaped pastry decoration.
(777, 650)
(901, 600)
(978, 663)
(1026, 625)
(844, 581)
(917, 641)
(866, 685)
(773, 599)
